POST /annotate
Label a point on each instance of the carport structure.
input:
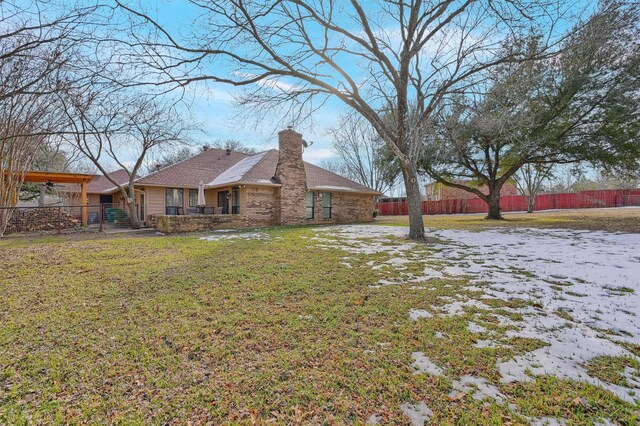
(66, 178)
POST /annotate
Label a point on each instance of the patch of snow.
(592, 276)
(416, 314)
(547, 421)
(486, 344)
(418, 413)
(373, 420)
(458, 307)
(238, 236)
(476, 328)
(423, 364)
(482, 389)
(604, 422)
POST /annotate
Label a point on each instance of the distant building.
(436, 191)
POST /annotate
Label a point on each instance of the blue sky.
(213, 108)
(213, 105)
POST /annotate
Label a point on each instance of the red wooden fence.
(515, 203)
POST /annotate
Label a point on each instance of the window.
(174, 200)
(193, 198)
(235, 203)
(326, 205)
(223, 201)
(310, 204)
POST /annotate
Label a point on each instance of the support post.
(83, 203)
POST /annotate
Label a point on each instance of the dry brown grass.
(612, 220)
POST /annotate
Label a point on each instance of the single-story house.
(273, 187)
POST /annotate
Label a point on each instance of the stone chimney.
(292, 176)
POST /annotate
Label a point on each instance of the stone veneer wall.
(293, 178)
(192, 223)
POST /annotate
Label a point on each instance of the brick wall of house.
(259, 205)
(293, 178)
(345, 208)
(352, 207)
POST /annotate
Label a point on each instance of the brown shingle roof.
(261, 168)
(205, 167)
(216, 168)
(320, 179)
(100, 184)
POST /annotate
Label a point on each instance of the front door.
(223, 201)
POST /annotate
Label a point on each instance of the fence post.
(101, 214)
(59, 219)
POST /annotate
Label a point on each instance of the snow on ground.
(232, 234)
(483, 389)
(423, 364)
(418, 413)
(586, 286)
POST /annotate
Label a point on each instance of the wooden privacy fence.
(516, 203)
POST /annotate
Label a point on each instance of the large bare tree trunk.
(532, 201)
(494, 203)
(133, 210)
(133, 214)
(414, 199)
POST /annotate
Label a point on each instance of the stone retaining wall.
(193, 223)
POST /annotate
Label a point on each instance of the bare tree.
(121, 128)
(44, 34)
(363, 156)
(27, 108)
(529, 180)
(391, 62)
(24, 123)
(233, 145)
(39, 42)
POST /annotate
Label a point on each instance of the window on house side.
(173, 200)
(235, 206)
(326, 205)
(310, 204)
(193, 198)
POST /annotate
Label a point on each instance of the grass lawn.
(283, 328)
(612, 220)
